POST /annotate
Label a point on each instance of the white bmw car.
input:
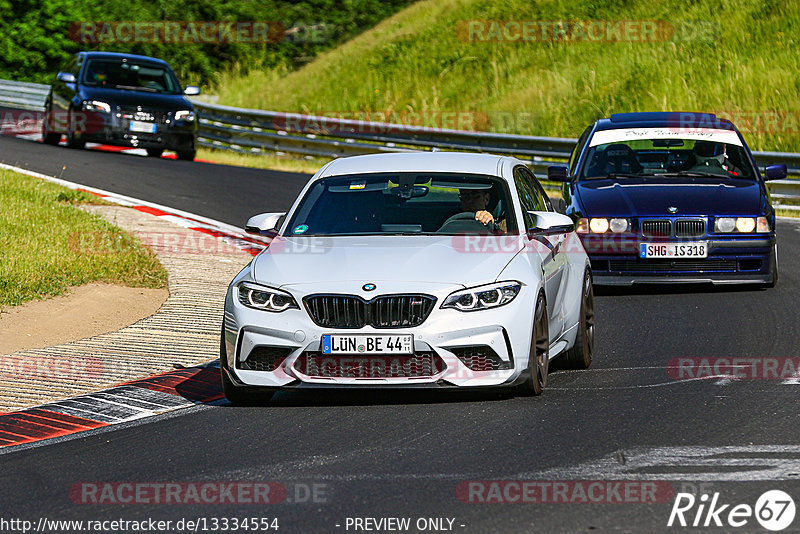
(410, 270)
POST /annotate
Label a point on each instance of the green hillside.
(735, 57)
(37, 37)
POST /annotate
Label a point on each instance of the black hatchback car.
(122, 100)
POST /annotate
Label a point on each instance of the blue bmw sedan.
(671, 197)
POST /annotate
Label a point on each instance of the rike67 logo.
(774, 510)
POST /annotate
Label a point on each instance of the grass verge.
(263, 161)
(795, 214)
(49, 244)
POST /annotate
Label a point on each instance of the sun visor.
(605, 137)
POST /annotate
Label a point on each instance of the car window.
(537, 189)
(530, 197)
(668, 156)
(130, 75)
(573, 159)
(402, 203)
(71, 66)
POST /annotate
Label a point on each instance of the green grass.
(262, 161)
(787, 213)
(415, 62)
(49, 244)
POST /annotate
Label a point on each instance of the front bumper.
(113, 130)
(731, 260)
(442, 337)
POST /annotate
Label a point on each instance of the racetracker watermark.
(334, 122)
(163, 242)
(563, 492)
(202, 241)
(763, 121)
(381, 122)
(509, 244)
(42, 367)
(737, 367)
(20, 122)
(176, 32)
(207, 492)
(586, 31)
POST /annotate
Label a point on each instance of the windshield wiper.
(702, 174)
(615, 175)
(136, 88)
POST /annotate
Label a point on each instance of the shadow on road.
(675, 289)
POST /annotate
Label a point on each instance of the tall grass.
(416, 61)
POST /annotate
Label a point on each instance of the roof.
(471, 163)
(116, 55)
(661, 119)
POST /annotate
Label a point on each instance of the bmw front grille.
(657, 228)
(690, 227)
(352, 311)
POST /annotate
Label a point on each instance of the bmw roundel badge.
(672, 209)
(369, 287)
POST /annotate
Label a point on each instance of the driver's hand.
(484, 216)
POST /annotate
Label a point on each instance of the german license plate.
(673, 250)
(142, 127)
(367, 344)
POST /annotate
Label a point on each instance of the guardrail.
(259, 131)
(22, 95)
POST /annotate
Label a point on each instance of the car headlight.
(264, 298)
(724, 224)
(598, 226)
(743, 225)
(483, 297)
(601, 225)
(618, 225)
(184, 115)
(96, 105)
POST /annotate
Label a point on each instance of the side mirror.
(66, 77)
(264, 224)
(548, 223)
(558, 173)
(775, 172)
(191, 90)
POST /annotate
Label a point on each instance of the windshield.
(131, 76)
(669, 156)
(403, 203)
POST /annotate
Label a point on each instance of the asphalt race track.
(222, 192)
(381, 455)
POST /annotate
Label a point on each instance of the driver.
(711, 154)
(477, 200)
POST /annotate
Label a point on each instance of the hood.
(452, 260)
(652, 196)
(121, 97)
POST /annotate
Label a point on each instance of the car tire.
(774, 269)
(237, 395)
(185, 155)
(48, 137)
(72, 139)
(154, 152)
(539, 358)
(579, 356)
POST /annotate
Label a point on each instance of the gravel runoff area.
(183, 332)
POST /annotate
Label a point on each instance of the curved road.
(405, 455)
